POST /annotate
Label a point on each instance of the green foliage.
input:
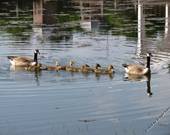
(114, 20)
(67, 18)
(15, 30)
(3, 22)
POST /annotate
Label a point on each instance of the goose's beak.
(149, 54)
(38, 51)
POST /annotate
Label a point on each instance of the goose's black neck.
(36, 57)
(148, 62)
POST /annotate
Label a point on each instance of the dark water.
(105, 32)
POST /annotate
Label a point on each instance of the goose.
(136, 69)
(71, 68)
(24, 61)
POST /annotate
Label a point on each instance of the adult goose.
(136, 69)
(24, 61)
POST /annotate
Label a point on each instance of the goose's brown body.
(136, 69)
(24, 61)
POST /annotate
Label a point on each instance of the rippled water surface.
(104, 32)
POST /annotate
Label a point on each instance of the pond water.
(104, 32)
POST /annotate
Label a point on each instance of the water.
(63, 103)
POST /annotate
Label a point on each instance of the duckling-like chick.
(37, 67)
(56, 67)
(109, 70)
(60, 67)
(51, 68)
(71, 68)
(99, 70)
(86, 69)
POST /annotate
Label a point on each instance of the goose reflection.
(36, 73)
(146, 78)
(16, 68)
(36, 77)
(149, 85)
(98, 76)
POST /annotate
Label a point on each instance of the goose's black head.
(97, 65)
(125, 65)
(148, 60)
(111, 67)
(149, 54)
(37, 51)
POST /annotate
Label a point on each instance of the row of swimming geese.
(32, 64)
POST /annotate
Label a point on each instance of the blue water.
(65, 103)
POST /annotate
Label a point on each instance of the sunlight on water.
(88, 32)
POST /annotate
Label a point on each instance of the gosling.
(57, 67)
(99, 70)
(71, 67)
(86, 69)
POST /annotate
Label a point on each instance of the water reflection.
(57, 28)
(149, 92)
(16, 68)
(37, 75)
(91, 13)
(144, 43)
(110, 76)
(44, 12)
(38, 12)
(22, 70)
(146, 78)
(166, 47)
(141, 28)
